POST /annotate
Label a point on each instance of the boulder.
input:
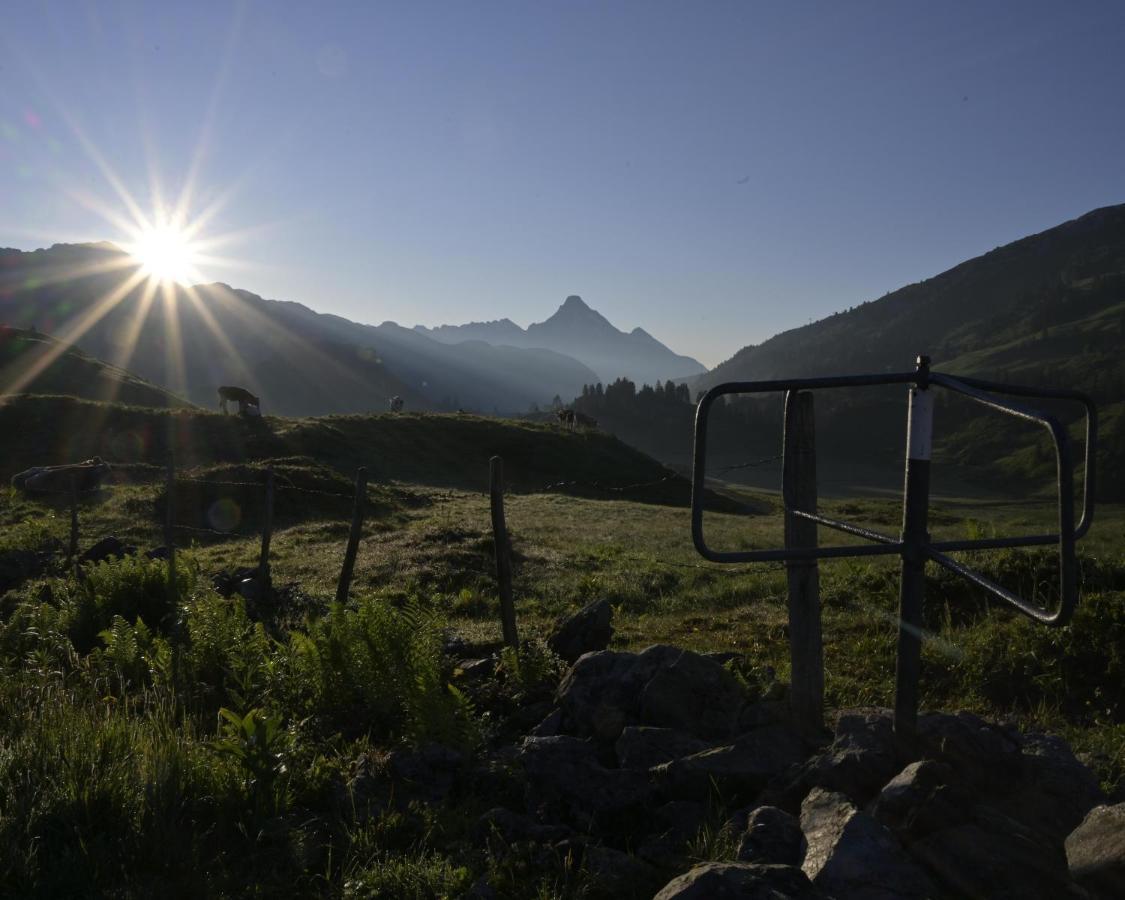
(1056, 791)
(851, 855)
(861, 758)
(564, 776)
(772, 836)
(736, 770)
(428, 772)
(662, 686)
(643, 746)
(920, 799)
(694, 694)
(512, 827)
(989, 859)
(1095, 851)
(587, 631)
(616, 871)
(740, 881)
(982, 754)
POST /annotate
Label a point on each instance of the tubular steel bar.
(914, 546)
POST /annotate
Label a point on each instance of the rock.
(740, 881)
(642, 746)
(861, 758)
(662, 685)
(680, 820)
(919, 800)
(851, 855)
(738, 769)
(983, 863)
(512, 827)
(157, 553)
(772, 836)
(588, 630)
(565, 775)
(107, 548)
(694, 694)
(617, 871)
(549, 726)
(428, 772)
(481, 890)
(1095, 851)
(981, 753)
(1056, 791)
(475, 669)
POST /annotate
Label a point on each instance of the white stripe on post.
(920, 426)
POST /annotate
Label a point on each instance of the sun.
(165, 253)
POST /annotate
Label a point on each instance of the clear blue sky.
(715, 172)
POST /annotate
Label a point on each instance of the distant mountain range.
(585, 334)
(299, 361)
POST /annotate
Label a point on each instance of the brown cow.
(84, 476)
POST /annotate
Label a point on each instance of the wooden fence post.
(267, 534)
(72, 550)
(503, 551)
(799, 492)
(169, 521)
(353, 536)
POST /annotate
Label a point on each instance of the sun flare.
(165, 254)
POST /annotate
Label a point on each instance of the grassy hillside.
(447, 450)
(34, 363)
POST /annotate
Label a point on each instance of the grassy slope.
(435, 449)
(71, 372)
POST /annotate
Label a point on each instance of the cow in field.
(248, 404)
(573, 419)
(395, 404)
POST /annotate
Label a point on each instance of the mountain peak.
(574, 303)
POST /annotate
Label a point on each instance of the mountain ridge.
(580, 331)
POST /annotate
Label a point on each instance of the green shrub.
(377, 669)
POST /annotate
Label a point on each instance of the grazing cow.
(84, 476)
(573, 419)
(396, 404)
(248, 404)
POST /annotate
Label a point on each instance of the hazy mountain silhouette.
(1046, 310)
(301, 362)
(585, 334)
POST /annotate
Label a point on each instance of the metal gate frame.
(914, 545)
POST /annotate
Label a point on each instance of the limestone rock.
(851, 855)
(919, 800)
(588, 630)
(1056, 790)
(564, 774)
(642, 746)
(739, 769)
(772, 836)
(694, 694)
(1095, 851)
(662, 685)
(861, 758)
(987, 862)
(740, 881)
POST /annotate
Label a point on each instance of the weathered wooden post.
(503, 551)
(72, 550)
(353, 535)
(806, 695)
(169, 521)
(264, 579)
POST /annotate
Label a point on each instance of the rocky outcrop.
(1095, 851)
(741, 881)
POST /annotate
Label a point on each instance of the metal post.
(915, 515)
(503, 551)
(353, 536)
(806, 697)
(169, 520)
(267, 534)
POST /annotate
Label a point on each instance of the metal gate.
(914, 544)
